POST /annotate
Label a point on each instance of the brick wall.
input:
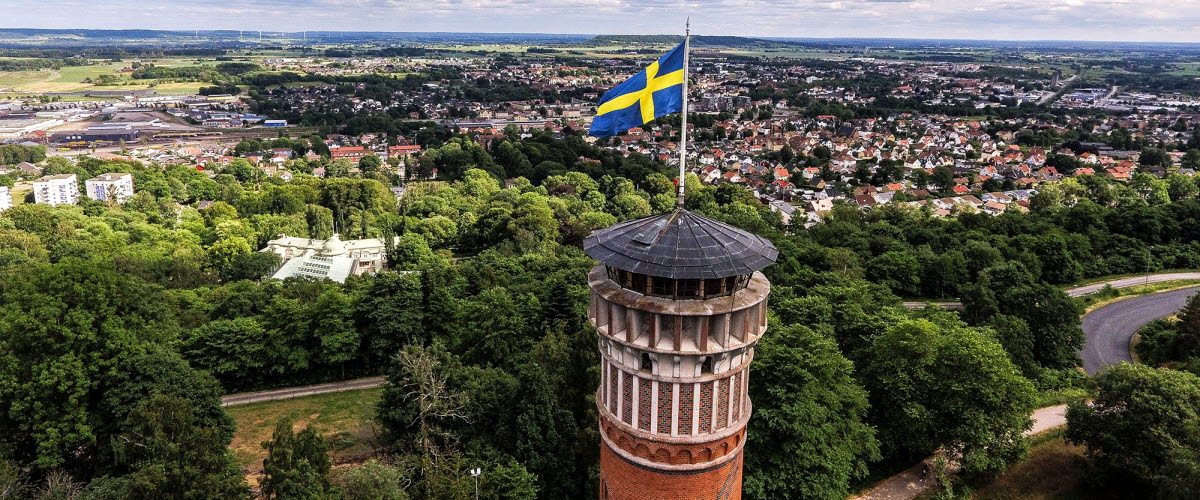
(627, 399)
(737, 395)
(686, 398)
(723, 404)
(706, 402)
(613, 385)
(665, 395)
(623, 480)
(645, 388)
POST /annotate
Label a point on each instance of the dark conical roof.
(680, 245)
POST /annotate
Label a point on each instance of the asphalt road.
(1079, 291)
(1109, 329)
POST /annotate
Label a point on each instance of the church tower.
(678, 303)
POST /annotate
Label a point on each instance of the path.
(296, 392)
(908, 484)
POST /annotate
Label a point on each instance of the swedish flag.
(656, 91)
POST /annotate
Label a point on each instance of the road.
(1066, 83)
(1109, 329)
(1080, 291)
(1109, 95)
(296, 392)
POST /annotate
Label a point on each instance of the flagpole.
(687, 35)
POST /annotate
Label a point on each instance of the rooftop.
(680, 245)
(109, 177)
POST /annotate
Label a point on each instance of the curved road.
(1109, 329)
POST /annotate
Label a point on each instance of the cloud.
(1163, 20)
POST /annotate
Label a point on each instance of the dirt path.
(296, 392)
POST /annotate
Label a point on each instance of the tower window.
(706, 366)
(688, 289)
(647, 365)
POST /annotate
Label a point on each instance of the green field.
(19, 79)
(1186, 69)
(346, 418)
(71, 78)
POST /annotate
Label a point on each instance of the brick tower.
(678, 304)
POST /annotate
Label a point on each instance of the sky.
(1115, 20)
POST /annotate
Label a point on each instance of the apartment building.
(62, 189)
(106, 187)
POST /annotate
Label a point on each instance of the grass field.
(71, 78)
(1186, 69)
(346, 418)
(19, 79)
(19, 191)
(1054, 470)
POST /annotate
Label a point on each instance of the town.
(360, 265)
(748, 130)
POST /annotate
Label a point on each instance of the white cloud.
(1165, 20)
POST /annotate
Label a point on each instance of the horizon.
(1158, 21)
(566, 34)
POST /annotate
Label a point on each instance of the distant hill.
(698, 40)
(27, 37)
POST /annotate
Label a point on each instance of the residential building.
(110, 187)
(5, 199)
(62, 189)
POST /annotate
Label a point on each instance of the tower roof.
(680, 245)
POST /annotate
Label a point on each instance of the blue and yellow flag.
(656, 91)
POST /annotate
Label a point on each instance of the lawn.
(346, 418)
(1053, 470)
(19, 191)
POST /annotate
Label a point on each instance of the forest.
(123, 325)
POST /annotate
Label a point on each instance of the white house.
(333, 258)
(105, 187)
(62, 189)
(5, 199)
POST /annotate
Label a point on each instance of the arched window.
(646, 365)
